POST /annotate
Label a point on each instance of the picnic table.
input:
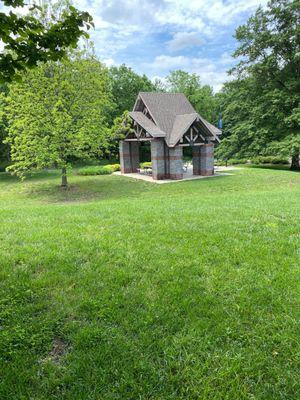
(145, 170)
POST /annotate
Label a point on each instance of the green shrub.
(220, 163)
(146, 164)
(98, 169)
(234, 161)
(269, 160)
(231, 161)
(115, 167)
(3, 166)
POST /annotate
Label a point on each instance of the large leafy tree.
(28, 40)
(268, 84)
(125, 86)
(201, 96)
(4, 149)
(57, 113)
(241, 134)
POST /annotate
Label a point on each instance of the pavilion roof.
(171, 115)
(147, 124)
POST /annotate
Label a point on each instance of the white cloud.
(184, 40)
(127, 20)
(226, 59)
(135, 31)
(198, 14)
(212, 73)
(109, 62)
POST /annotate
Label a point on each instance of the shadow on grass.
(33, 176)
(85, 189)
(279, 167)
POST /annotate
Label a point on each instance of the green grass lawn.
(122, 289)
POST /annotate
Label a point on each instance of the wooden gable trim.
(145, 105)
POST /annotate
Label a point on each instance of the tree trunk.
(64, 180)
(295, 166)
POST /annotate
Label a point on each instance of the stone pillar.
(196, 160)
(167, 162)
(175, 162)
(135, 156)
(129, 156)
(158, 158)
(207, 159)
(125, 162)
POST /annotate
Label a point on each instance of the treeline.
(261, 105)
(64, 110)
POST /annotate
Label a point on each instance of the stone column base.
(158, 159)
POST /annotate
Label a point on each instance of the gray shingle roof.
(172, 114)
(147, 124)
(164, 107)
(181, 125)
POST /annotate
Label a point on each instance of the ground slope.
(119, 289)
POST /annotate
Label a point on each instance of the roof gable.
(172, 115)
(181, 124)
(147, 124)
(164, 107)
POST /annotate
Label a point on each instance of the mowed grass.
(122, 289)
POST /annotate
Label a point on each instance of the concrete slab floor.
(187, 176)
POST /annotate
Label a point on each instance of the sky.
(157, 36)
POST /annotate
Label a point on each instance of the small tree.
(122, 126)
(57, 113)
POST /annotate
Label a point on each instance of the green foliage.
(28, 40)
(4, 149)
(235, 161)
(121, 127)
(125, 86)
(269, 160)
(254, 160)
(55, 116)
(99, 169)
(231, 161)
(201, 96)
(146, 164)
(261, 107)
(122, 289)
(114, 167)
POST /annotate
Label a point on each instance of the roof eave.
(155, 135)
(140, 96)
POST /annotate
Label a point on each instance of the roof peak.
(165, 93)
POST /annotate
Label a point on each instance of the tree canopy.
(201, 96)
(55, 116)
(125, 86)
(261, 107)
(28, 40)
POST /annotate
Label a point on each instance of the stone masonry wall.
(207, 159)
(203, 159)
(129, 156)
(158, 158)
(196, 160)
(175, 162)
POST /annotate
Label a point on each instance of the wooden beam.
(139, 140)
(197, 130)
(188, 145)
